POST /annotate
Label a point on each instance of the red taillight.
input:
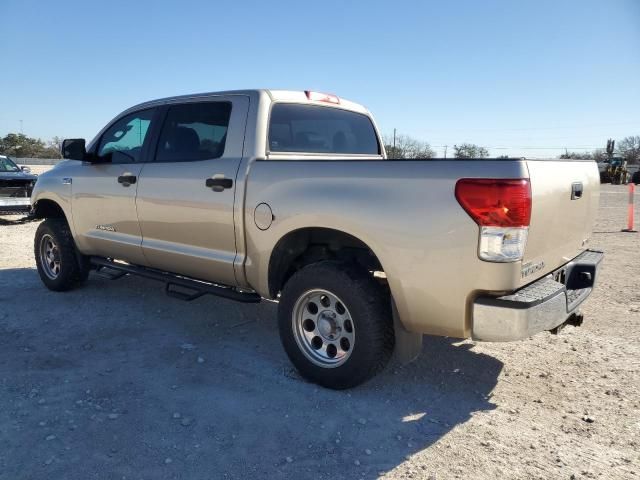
(322, 97)
(495, 202)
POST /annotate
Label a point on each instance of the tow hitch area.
(575, 320)
(549, 303)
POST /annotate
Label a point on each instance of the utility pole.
(445, 151)
(21, 131)
(394, 138)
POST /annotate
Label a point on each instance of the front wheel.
(335, 324)
(60, 265)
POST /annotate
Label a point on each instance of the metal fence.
(36, 161)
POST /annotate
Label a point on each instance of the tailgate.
(562, 218)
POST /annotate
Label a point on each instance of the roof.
(289, 96)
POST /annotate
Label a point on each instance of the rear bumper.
(542, 305)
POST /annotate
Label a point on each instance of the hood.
(17, 176)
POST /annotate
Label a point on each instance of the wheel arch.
(303, 246)
(47, 208)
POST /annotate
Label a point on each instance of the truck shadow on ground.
(132, 383)
(9, 220)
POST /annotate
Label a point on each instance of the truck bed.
(406, 212)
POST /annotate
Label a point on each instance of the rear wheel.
(335, 324)
(60, 266)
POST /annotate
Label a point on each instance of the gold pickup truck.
(289, 196)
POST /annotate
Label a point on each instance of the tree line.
(20, 145)
(404, 146)
(408, 147)
(628, 149)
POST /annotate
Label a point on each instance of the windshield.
(7, 165)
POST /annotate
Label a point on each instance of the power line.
(560, 147)
(518, 129)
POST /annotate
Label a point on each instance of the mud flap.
(408, 345)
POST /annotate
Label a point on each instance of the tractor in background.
(614, 170)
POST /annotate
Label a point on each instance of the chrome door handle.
(127, 180)
(219, 184)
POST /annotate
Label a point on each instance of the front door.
(104, 194)
(186, 194)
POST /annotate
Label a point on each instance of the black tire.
(72, 268)
(636, 178)
(368, 305)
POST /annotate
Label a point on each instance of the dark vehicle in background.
(16, 184)
(618, 172)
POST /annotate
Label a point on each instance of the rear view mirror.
(74, 149)
(25, 169)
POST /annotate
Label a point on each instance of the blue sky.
(509, 74)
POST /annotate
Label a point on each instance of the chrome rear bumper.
(543, 305)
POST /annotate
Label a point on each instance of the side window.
(194, 131)
(123, 141)
(314, 129)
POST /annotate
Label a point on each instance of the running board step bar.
(182, 288)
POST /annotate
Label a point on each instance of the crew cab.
(289, 196)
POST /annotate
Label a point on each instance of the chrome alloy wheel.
(323, 328)
(49, 257)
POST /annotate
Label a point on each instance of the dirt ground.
(116, 380)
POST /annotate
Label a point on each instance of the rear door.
(565, 197)
(186, 194)
(104, 194)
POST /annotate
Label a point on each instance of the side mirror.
(25, 169)
(74, 149)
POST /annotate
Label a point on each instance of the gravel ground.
(115, 380)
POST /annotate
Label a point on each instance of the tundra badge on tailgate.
(530, 267)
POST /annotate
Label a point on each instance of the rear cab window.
(298, 128)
